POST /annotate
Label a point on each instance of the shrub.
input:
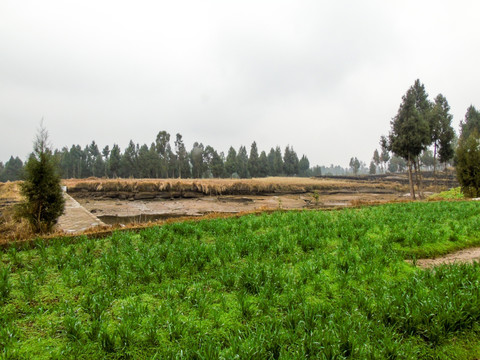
(44, 202)
(468, 164)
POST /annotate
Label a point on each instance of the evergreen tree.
(263, 165)
(253, 161)
(271, 162)
(144, 166)
(223, 159)
(85, 167)
(86, 162)
(471, 122)
(129, 161)
(218, 166)
(397, 164)
(372, 170)
(106, 154)
(196, 158)
(422, 104)
(208, 155)
(161, 161)
(231, 162)
(278, 162)
(468, 163)
(242, 163)
(410, 132)
(290, 162)
(354, 165)
(304, 166)
(98, 166)
(426, 158)
(12, 170)
(182, 158)
(62, 158)
(316, 171)
(214, 162)
(95, 163)
(163, 147)
(114, 161)
(441, 131)
(76, 161)
(385, 154)
(446, 148)
(392, 166)
(44, 201)
(376, 158)
(154, 161)
(172, 163)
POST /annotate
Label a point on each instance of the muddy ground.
(129, 200)
(115, 211)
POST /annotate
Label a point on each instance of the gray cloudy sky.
(323, 76)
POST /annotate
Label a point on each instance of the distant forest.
(161, 160)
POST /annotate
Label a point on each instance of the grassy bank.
(282, 285)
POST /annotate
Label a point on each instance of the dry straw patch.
(10, 226)
(10, 191)
(225, 186)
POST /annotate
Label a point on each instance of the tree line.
(420, 124)
(161, 160)
(421, 135)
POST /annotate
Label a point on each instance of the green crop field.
(313, 284)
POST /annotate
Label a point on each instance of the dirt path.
(463, 256)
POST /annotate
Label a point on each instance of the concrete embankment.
(76, 218)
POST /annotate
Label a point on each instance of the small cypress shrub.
(43, 197)
(468, 164)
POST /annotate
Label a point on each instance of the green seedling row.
(286, 285)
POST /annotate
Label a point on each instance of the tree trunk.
(435, 165)
(420, 180)
(410, 179)
(416, 165)
(416, 172)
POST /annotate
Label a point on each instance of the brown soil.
(463, 256)
(126, 201)
(126, 211)
(9, 194)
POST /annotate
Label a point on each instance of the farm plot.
(300, 285)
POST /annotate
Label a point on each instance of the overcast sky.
(325, 77)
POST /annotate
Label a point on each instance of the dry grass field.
(11, 227)
(270, 185)
(9, 191)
